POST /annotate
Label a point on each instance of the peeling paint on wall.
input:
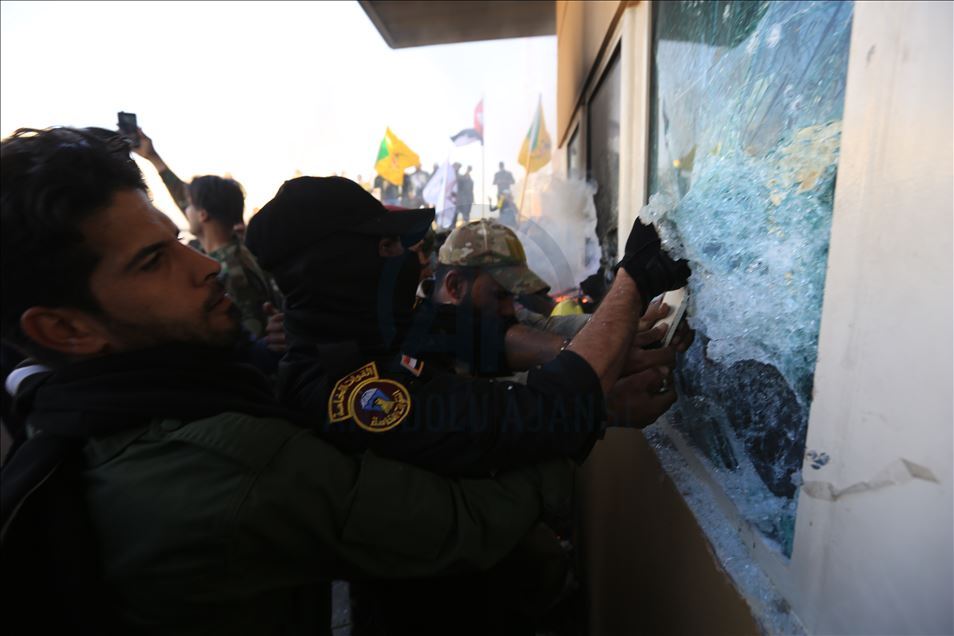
(898, 472)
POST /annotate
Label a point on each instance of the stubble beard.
(128, 336)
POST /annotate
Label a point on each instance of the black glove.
(648, 265)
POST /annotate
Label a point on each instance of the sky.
(261, 90)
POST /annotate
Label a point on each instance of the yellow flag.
(394, 157)
(535, 151)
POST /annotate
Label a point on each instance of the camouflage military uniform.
(176, 187)
(248, 285)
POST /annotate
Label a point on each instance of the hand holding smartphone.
(129, 127)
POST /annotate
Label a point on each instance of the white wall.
(635, 61)
(880, 560)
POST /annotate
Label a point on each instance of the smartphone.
(677, 300)
(129, 127)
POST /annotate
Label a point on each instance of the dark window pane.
(603, 156)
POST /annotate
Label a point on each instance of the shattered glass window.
(746, 110)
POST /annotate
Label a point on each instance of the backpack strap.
(50, 558)
(31, 465)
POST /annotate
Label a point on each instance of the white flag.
(439, 193)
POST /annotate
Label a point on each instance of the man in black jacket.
(375, 376)
(358, 358)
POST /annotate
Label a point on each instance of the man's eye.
(152, 263)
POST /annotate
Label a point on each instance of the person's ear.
(455, 285)
(68, 331)
(203, 215)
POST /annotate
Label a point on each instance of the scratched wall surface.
(746, 111)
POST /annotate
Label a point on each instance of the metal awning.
(407, 23)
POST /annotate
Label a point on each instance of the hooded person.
(338, 256)
(349, 285)
(330, 244)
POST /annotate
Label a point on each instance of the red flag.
(479, 119)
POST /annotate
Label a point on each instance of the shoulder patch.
(380, 404)
(339, 403)
(376, 404)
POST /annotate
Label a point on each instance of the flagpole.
(483, 172)
(483, 155)
(526, 179)
(442, 201)
(526, 165)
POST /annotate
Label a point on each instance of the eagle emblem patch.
(375, 404)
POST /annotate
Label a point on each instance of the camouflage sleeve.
(249, 287)
(566, 326)
(176, 188)
(245, 295)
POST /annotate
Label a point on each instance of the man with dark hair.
(163, 489)
(214, 207)
(213, 198)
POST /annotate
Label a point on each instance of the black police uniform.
(320, 238)
(411, 404)
(464, 424)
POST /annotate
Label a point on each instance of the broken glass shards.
(746, 129)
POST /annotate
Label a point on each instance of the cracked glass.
(745, 130)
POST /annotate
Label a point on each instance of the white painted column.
(878, 559)
(635, 51)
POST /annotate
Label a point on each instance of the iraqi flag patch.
(413, 365)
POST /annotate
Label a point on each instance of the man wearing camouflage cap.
(483, 264)
(495, 253)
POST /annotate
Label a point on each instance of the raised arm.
(644, 272)
(176, 187)
(606, 339)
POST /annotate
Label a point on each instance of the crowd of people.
(207, 435)
(459, 187)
